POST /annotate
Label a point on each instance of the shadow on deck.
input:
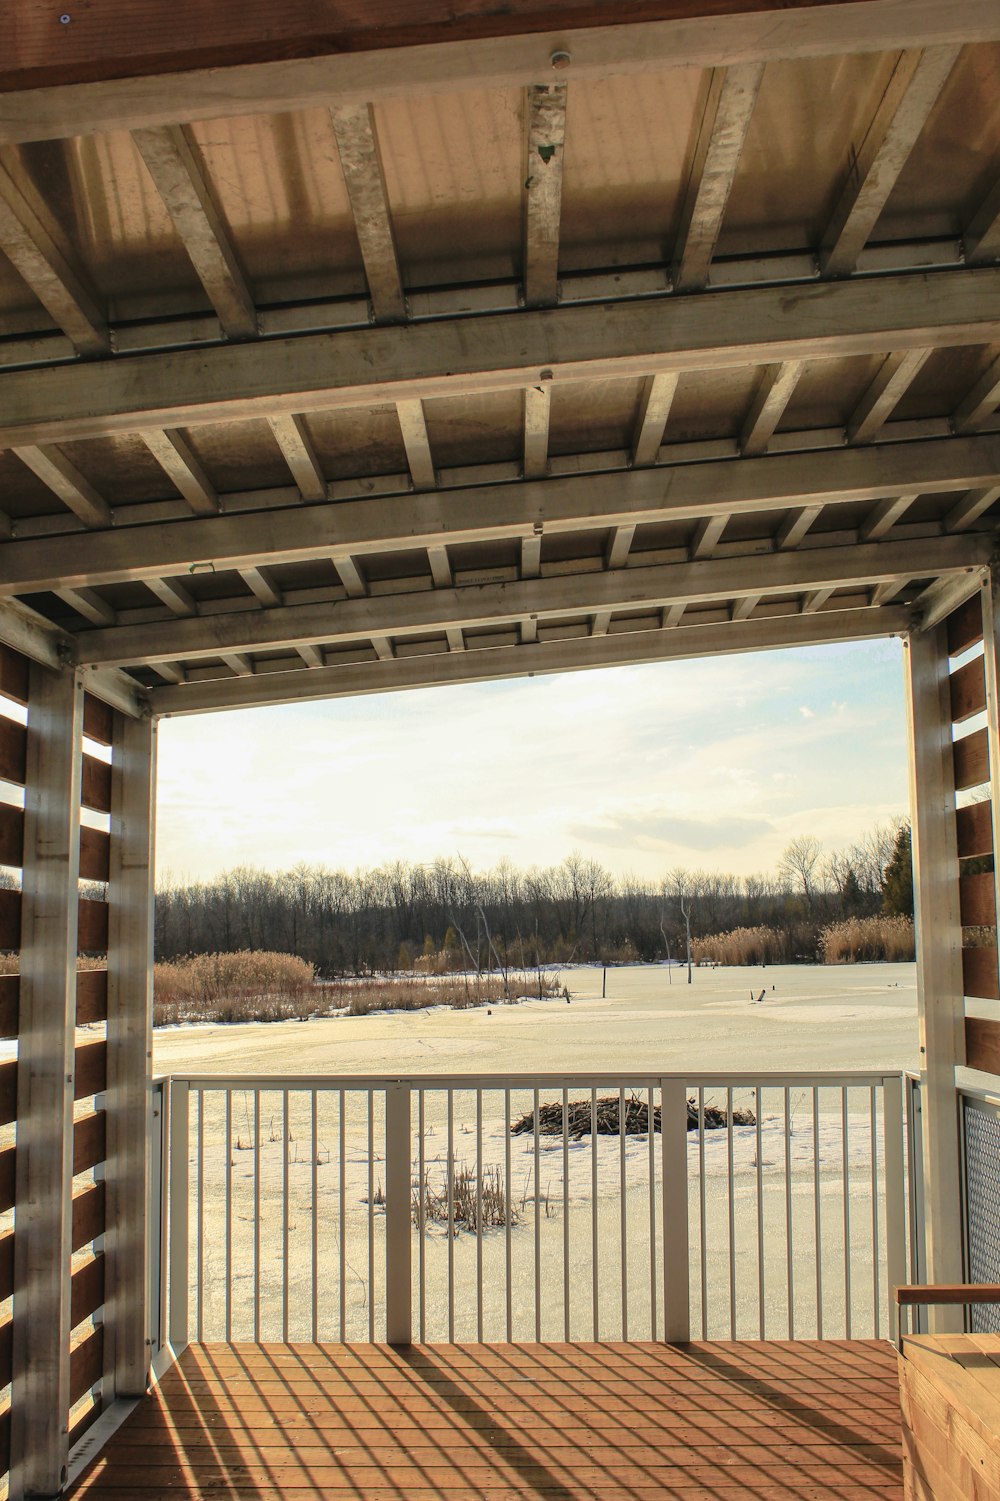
(703, 1422)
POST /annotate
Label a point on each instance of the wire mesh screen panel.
(982, 1181)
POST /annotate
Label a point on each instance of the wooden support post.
(940, 999)
(398, 1228)
(44, 1178)
(130, 1024)
(674, 1208)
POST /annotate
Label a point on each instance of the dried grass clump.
(413, 993)
(10, 964)
(760, 945)
(861, 939)
(242, 987)
(466, 1202)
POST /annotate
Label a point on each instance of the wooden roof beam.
(173, 594)
(883, 517)
(297, 450)
(981, 402)
(795, 526)
(37, 247)
(501, 352)
(981, 240)
(774, 391)
(440, 563)
(65, 480)
(89, 604)
(259, 582)
(708, 534)
(467, 607)
(364, 178)
(895, 376)
(174, 163)
(518, 511)
(545, 139)
(730, 98)
(619, 649)
(351, 577)
(912, 91)
(413, 426)
(536, 431)
(657, 398)
(970, 508)
(183, 468)
(619, 547)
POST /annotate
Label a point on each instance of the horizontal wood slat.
(10, 990)
(87, 1420)
(965, 626)
(7, 1166)
(95, 788)
(975, 830)
(92, 933)
(13, 751)
(98, 720)
(95, 854)
(979, 974)
(6, 1266)
(982, 1044)
(86, 1290)
(90, 1141)
(972, 760)
(88, 1215)
(8, 1092)
(10, 920)
(977, 901)
(968, 690)
(11, 835)
(91, 996)
(91, 1069)
(13, 675)
(86, 1364)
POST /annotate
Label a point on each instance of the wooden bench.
(949, 1388)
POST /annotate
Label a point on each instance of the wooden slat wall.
(974, 825)
(90, 1133)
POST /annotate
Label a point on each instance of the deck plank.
(778, 1421)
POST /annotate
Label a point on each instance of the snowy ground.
(812, 1020)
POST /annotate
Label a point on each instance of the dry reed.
(760, 945)
(240, 987)
(466, 1204)
(862, 939)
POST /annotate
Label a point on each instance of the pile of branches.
(636, 1123)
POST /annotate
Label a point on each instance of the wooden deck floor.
(702, 1422)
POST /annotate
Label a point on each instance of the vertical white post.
(940, 986)
(44, 1176)
(895, 1197)
(676, 1271)
(177, 1323)
(130, 1052)
(398, 1291)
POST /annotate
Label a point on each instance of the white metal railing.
(364, 1208)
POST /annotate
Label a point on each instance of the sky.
(714, 764)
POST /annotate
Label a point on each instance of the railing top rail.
(600, 1079)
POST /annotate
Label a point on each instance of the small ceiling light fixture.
(560, 60)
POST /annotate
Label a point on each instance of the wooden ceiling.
(362, 356)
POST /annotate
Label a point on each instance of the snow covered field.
(813, 1020)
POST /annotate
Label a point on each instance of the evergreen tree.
(897, 884)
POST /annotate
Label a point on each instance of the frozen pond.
(305, 1191)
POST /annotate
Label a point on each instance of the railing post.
(895, 1202)
(676, 1270)
(398, 1290)
(178, 1271)
(156, 1216)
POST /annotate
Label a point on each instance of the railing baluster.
(342, 1207)
(702, 1212)
(421, 1214)
(594, 1235)
(846, 1158)
(451, 1217)
(371, 1215)
(538, 1226)
(479, 1215)
(229, 1216)
(651, 1144)
(508, 1199)
(314, 1248)
(623, 1209)
(760, 1218)
(676, 1249)
(398, 1269)
(789, 1258)
(876, 1297)
(565, 1199)
(732, 1215)
(256, 1216)
(817, 1214)
(201, 1216)
(895, 1209)
(284, 1215)
(180, 1204)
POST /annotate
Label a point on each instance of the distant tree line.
(397, 915)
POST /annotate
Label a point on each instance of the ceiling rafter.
(913, 89)
(657, 397)
(299, 454)
(174, 162)
(775, 390)
(413, 426)
(65, 480)
(729, 103)
(364, 178)
(894, 378)
(537, 408)
(183, 468)
(545, 140)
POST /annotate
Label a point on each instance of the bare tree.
(798, 865)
